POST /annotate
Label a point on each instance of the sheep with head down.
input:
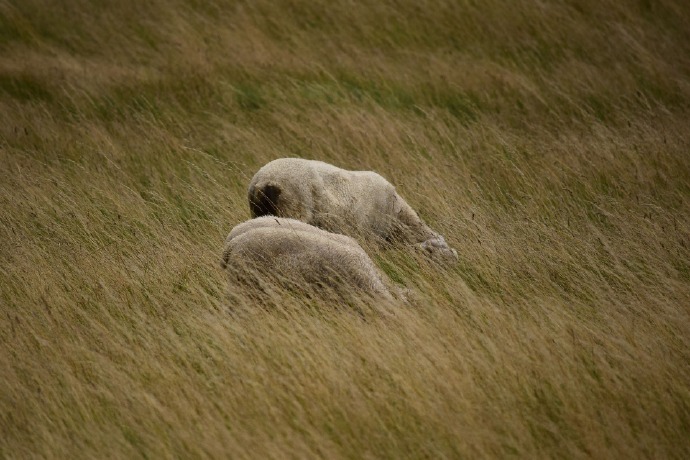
(355, 203)
(288, 249)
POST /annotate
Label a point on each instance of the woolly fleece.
(354, 203)
(291, 249)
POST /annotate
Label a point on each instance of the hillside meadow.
(547, 140)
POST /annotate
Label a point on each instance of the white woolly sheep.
(301, 253)
(355, 203)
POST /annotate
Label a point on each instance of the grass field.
(548, 141)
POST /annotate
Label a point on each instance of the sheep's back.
(303, 256)
(290, 225)
(356, 203)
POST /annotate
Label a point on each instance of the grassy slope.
(548, 141)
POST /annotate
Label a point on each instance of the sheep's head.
(438, 248)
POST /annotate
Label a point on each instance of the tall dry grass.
(547, 140)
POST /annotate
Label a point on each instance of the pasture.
(547, 141)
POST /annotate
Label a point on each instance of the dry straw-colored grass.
(547, 140)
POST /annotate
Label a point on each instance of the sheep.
(288, 249)
(354, 203)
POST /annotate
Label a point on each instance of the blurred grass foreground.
(547, 140)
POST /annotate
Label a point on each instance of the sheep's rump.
(286, 250)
